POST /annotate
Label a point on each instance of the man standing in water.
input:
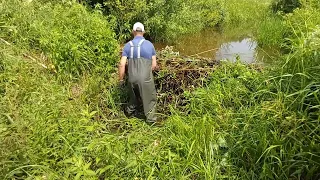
(141, 56)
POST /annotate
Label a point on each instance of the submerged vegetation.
(61, 107)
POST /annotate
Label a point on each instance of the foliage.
(254, 18)
(245, 13)
(72, 38)
(286, 6)
(271, 31)
(301, 65)
(263, 136)
(48, 131)
(184, 17)
(164, 20)
(245, 122)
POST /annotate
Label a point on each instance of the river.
(226, 45)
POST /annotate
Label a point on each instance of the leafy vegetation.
(165, 20)
(226, 120)
(73, 39)
(286, 6)
(245, 12)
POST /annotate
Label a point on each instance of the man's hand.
(122, 67)
(154, 63)
(156, 68)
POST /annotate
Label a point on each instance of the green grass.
(245, 12)
(240, 126)
(246, 122)
(73, 40)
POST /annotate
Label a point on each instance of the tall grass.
(74, 40)
(49, 132)
(302, 64)
(264, 135)
(246, 13)
(247, 122)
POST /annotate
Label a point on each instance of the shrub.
(286, 6)
(125, 13)
(244, 12)
(169, 20)
(74, 39)
(165, 20)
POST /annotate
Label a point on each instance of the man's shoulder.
(126, 45)
(146, 42)
(149, 43)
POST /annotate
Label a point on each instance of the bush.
(286, 6)
(170, 20)
(74, 39)
(43, 131)
(246, 13)
(164, 20)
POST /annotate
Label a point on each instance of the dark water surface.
(222, 46)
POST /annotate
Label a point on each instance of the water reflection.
(244, 49)
(222, 45)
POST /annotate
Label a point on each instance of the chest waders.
(141, 84)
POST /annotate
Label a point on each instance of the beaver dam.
(179, 75)
(196, 57)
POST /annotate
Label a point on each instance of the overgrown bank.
(166, 20)
(243, 123)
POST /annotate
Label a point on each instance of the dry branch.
(6, 42)
(35, 60)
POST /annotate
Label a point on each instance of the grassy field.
(61, 107)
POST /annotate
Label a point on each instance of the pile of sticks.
(176, 75)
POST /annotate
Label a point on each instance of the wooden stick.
(205, 52)
(199, 69)
(44, 66)
(6, 42)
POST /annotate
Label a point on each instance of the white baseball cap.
(138, 27)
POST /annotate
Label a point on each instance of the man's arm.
(122, 67)
(154, 58)
(123, 61)
(154, 62)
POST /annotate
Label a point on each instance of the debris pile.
(176, 75)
